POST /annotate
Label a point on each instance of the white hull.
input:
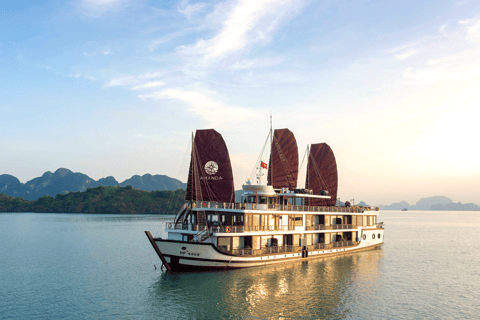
(183, 255)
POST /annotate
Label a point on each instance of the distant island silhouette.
(63, 181)
(433, 203)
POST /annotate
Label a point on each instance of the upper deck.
(221, 206)
(266, 198)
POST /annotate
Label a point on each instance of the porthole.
(379, 236)
(364, 237)
(373, 236)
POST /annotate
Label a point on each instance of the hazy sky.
(116, 87)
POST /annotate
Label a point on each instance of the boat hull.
(185, 256)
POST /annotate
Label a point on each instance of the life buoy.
(377, 208)
(254, 206)
(169, 226)
(227, 229)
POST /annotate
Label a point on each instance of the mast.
(271, 130)
(271, 145)
(191, 159)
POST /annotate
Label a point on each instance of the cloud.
(149, 85)
(122, 81)
(137, 82)
(405, 46)
(248, 22)
(258, 63)
(190, 10)
(155, 43)
(473, 31)
(96, 8)
(465, 21)
(460, 66)
(205, 107)
(446, 56)
(95, 53)
(405, 55)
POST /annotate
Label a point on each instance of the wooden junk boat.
(272, 223)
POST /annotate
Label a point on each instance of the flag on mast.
(263, 165)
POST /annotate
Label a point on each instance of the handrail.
(278, 207)
(242, 229)
(282, 249)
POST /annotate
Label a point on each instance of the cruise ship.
(272, 223)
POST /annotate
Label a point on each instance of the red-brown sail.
(322, 174)
(210, 177)
(283, 166)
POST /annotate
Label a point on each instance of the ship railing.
(379, 225)
(261, 251)
(279, 207)
(243, 252)
(283, 249)
(332, 227)
(317, 227)
(241, 229)
(335, 244)
(342, 226)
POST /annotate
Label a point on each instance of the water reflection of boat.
(341, 285)
(273, 223)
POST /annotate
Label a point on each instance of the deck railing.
(242, 229)
(278, 207)
(283, 249)
(332, 227)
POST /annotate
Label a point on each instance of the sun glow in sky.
(116, 87)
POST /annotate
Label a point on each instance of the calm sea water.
(102, 266)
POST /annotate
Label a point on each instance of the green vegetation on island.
(100, 200)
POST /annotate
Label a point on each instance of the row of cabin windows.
(258, 242)
(257, 220)
(265, 200)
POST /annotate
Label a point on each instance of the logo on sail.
(211, 167)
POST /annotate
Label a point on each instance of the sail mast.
(191, 160)
(271, 146)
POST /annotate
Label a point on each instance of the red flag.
(263, 165)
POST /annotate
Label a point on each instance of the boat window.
(262, 200)
(379, 236)
(337, 237)
(273, 242)
(212, 217)
(364, 237)
(298, 220)
(237, 220)
(373, 236)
